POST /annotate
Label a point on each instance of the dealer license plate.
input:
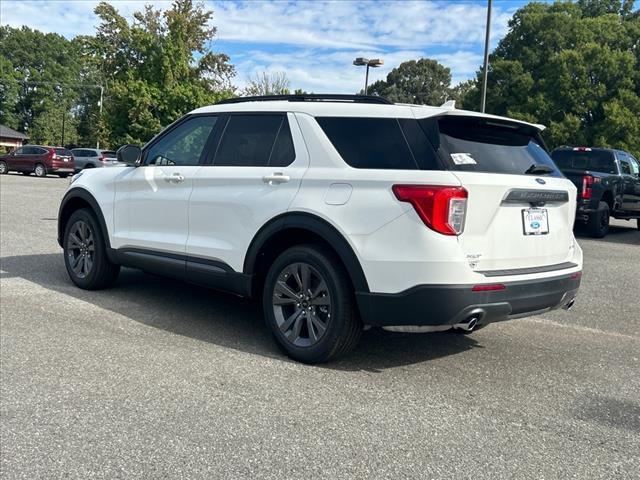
(535, 221)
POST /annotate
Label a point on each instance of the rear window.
(484, 145)
(380, 143)
(594, 160)
(109, 153)
(62, 152)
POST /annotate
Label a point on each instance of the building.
(10, 139)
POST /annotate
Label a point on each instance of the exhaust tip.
(569, 305)
(469, 324)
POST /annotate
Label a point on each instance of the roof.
(350, 109)
(7, 132)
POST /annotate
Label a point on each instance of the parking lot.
(159, 379)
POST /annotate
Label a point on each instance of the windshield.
(594, 160)
(484, 145)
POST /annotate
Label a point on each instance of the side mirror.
(129, 155)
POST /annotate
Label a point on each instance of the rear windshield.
(484, 145)
(63, 152)
(108, 153)
(594, 160)
(437, 143)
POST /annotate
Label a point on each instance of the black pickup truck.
(608, 183)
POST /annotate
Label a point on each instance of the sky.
(313, 42)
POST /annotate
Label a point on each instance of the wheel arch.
(73, 200)
(294, 228)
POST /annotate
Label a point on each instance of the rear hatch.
(520, 208)
(63, 155)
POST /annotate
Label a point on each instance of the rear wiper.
(539, 168)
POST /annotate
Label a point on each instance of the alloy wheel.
(40, 171)
(3, 168)
(301, 304)
(81, 249)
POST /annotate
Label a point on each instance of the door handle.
(276, 178)
(175, 178)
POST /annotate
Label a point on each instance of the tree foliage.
(422, 81)
(153, 70)
(267, 83)
(572, 66)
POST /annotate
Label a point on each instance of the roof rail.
(312, 97)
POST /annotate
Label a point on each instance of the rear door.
(80, 157)
(256, 171)
(521, 209)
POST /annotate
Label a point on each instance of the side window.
(19, 151)
(635, 167)
(40, 151)
(183, 145)
(376, 143)
(283, 153)
(248, 140)
(625, 166)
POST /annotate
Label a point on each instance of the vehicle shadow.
(219, 318)
(623, 235)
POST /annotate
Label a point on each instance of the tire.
(82, 235)
(598, 224)
(4, 169)
(638, 221)
(40, 170)
(63, 175)
(323, 324)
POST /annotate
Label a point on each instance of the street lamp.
(362, 62)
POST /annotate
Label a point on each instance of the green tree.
(423, 81)
(36, 73)
(155, 69)
(574, 67)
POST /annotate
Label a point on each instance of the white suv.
(338, 212)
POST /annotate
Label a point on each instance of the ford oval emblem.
(540, 181)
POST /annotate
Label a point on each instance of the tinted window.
(40, 151)
(421, 147)
(283, 153)
(62, 152)
(594, 160)
(625, 166)
(376, 143)
(184, 144)
(78, 152)
(19, 151)
(635, 168)
(480, 145)
(248, 140)
(109, 153)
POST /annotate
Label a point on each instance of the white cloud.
(313, 42)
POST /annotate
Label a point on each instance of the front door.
(151, 202)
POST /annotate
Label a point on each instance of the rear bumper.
(451, 304)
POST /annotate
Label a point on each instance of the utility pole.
(64, 115)
(485, 70)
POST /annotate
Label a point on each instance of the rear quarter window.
(374, 143)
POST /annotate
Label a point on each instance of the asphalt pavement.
(155, 378)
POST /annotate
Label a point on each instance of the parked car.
(39, 160)
(93, 158)
(608, 183)
(338, 212)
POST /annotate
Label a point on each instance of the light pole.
(485, 71)
(361, 62)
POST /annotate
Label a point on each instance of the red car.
(39, 160)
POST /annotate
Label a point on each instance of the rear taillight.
(101, 158)
(442, 209)
(587, 181)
